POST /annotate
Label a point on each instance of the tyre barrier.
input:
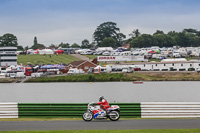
(8, 110)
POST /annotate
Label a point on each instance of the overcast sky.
(71, 21)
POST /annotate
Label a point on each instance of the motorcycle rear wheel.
(87, 116)
(114, 115)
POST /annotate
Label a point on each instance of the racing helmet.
(101, 98)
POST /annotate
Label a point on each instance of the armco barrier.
(170, 109)
(130, 110)
(8, 110)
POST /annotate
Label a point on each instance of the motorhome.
(20, 75)
(127, 69)
(100, 69)
(75, 71)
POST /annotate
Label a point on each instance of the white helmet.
(101, 98)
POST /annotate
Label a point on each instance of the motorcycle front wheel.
(114, 115)
(87, 116)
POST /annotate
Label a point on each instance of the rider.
(103, 103)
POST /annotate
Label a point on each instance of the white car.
(20, 75)
(106, 53)
(36, 75)
(12, 75)
(2, 75)
(127, 70)
(75, 71)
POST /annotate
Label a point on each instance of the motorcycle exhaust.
(112, 114)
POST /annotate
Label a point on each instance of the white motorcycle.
(95, 112)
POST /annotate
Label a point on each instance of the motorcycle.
(95, 112)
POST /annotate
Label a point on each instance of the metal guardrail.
(170, 109)
(8, 110)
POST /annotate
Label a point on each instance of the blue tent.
(163, 58)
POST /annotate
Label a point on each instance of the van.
(20, 75)
(105, 69)
(36, 75)
(127, 70)
(2, 75)
(75, 71)
(13, 75)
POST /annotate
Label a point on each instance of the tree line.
(108, 34)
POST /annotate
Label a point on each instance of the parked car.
(91, 70)
(98, 53)
(90, 52)
(36, 75)
(2, 75)
(106, 53)
(75, 71)
(20, 75)
(13, 75)
(191, 69)
(47, 74)
(198, 70)
(127, 70)
(42, 70)
(137, 69)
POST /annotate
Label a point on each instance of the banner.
(121, 58)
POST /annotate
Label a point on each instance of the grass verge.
(113, 131)
(7, 80)
(109, 77)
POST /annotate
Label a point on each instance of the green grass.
(108, 77)
(83, 78)
(92, 56)
(7, 80)
(113, 131)
(156, 60)
(38, 59)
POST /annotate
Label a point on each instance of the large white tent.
(46, 51)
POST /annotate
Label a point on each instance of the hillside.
(47, 59)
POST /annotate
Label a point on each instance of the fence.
(76, 110)
(170, 109)
(130, 110)
(8, 110)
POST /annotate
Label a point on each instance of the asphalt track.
(101, 124)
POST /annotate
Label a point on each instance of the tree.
(8, 40)
(75, 45)
(92, 45)
(135, 33)
(36, 45)
(35, 41)
(26, 48)
(108, 42)
(20, 48)
(85, 44)
(145, 40)
(158, 32)
(190, 30)
(52, 46)
(64, 45)
(108, 29)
